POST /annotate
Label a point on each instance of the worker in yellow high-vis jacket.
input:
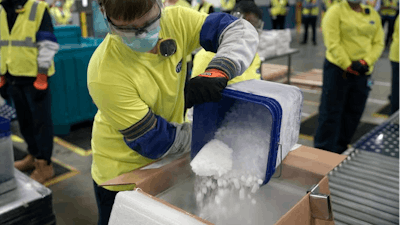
(204, 6)
(354, 41)
(61, 12)
(394, 60)
(28, 46)
(249, 11)
(309, 17)
(278, 10)
(389, 10)
(137, 79)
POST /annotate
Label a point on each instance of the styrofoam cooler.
(281, 104)
(7, 181)
(137, 207)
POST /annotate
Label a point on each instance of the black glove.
(206, 87)
(360, 66)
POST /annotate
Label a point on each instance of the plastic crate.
(71, 102)
(68, 34)
(208, 117)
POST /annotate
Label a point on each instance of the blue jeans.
(105, 201)
(394, 99)
(34, 118)
(343, 101)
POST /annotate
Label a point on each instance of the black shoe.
(303, 43)
(314, 43)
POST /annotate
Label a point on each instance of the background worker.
(389, 10)
(249, 11)
(278, 10)
(227, 5)
(310, 13)
(204, 6)
(27, 51)
(353, 38)
(137, 79)
(394, 60)
(61, 12)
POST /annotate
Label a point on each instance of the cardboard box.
(303, 166)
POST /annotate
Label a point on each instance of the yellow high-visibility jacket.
(330, 3)
(205, 7)
(278, 7)
(62, 17)
(352, 36)
(228, 4)
(311, 11)
(18, 50)
(394, 47)
(389, 3)
(183, 3)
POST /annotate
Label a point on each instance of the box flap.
(154, 181)
(314, 160)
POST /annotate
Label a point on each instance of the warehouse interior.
(72, 193)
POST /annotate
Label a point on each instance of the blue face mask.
(58, 4)
(142, 44)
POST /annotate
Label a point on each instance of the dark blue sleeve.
(213, 26)
(46, 30)
(156, 142)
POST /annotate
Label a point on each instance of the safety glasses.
(149, 26)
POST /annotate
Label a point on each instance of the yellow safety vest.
(205, 8)
(62, 17)
(18, 50)
(278, 7)
(228, 4)
(313, 11)
(389, 3)
(394, 47)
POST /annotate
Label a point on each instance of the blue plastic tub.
(207, 118)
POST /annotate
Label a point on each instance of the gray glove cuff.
(183, 140)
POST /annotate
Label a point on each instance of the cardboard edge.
(301, 212)
(155, 181)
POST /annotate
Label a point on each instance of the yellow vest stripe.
(27, 43)
(32, 15)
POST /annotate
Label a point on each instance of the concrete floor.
(73, 198)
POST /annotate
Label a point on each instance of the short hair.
(126, 10)
(248, 7)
